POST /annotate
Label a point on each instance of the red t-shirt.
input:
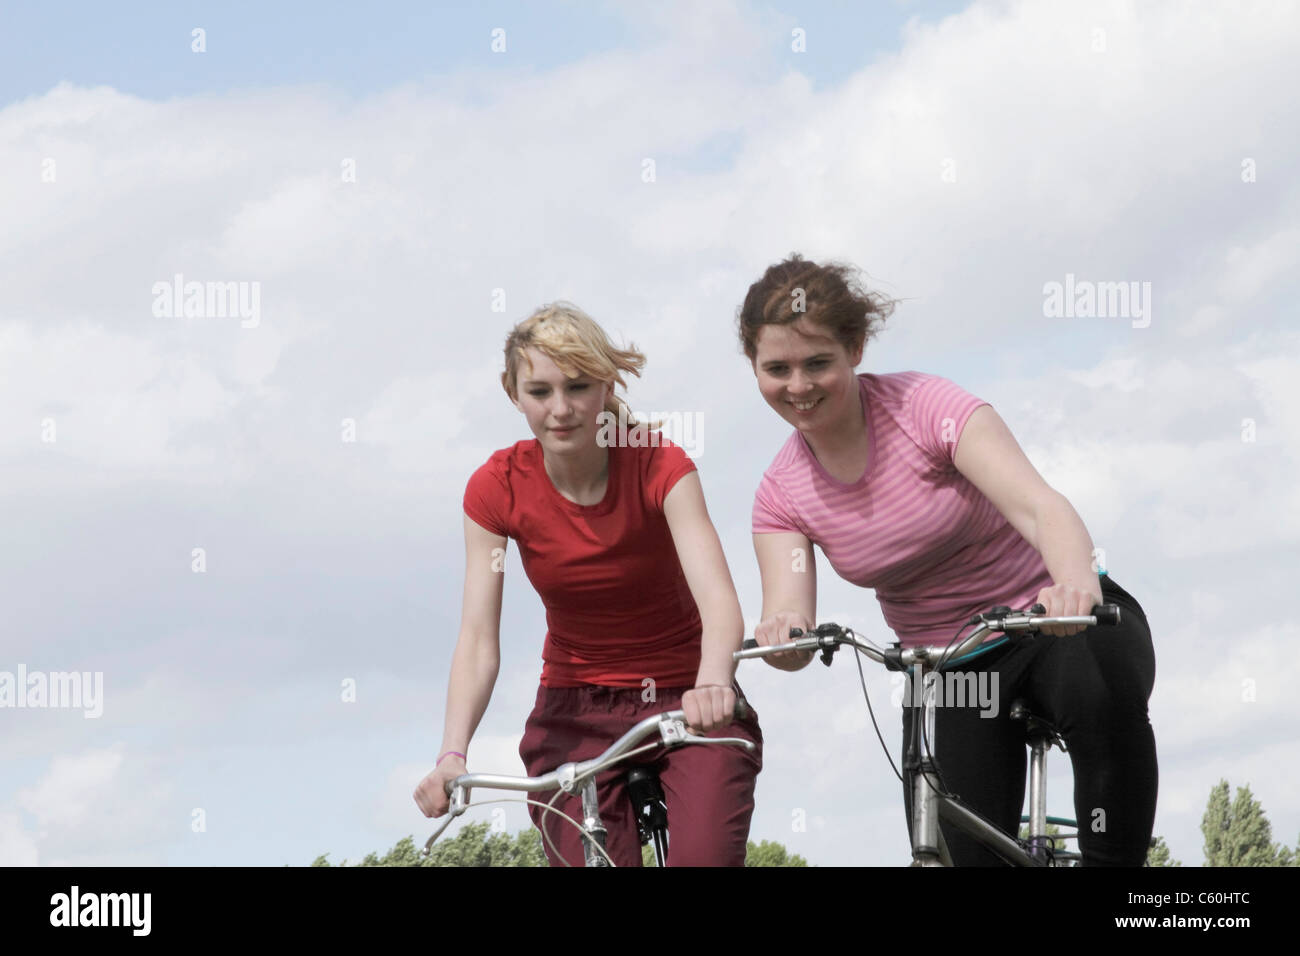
(618, 609)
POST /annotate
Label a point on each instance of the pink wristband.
(451, 753)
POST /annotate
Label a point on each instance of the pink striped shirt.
(933, 548)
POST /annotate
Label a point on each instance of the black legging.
(1093, 686)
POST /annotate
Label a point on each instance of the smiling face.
(560, 410)
(806, 375)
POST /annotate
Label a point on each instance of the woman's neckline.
(871, 444)
(607, 499)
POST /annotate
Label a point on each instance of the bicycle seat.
(1035, 726)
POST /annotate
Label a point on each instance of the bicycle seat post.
(1040, 736)
(1037, 798)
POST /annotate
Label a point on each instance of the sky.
(248, 521)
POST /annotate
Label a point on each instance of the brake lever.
(458, 806)
(674, 732)
(995, 619)
(748, 745)
(827, 650)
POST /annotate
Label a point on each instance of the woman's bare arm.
(988, 455)
(709, 578)
(789, 573)
(477, 657)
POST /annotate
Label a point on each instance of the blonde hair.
(577, 345)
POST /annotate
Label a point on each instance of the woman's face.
(560, 410)
(806, 375)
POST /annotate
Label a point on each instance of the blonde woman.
(618, 543)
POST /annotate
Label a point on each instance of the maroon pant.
(708, 789)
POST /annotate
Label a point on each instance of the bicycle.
(931, 802)
(580, 776)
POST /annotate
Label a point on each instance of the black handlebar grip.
(1106, 613)
(742, 709)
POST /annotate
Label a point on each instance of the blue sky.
(964, 161)
(144, 48)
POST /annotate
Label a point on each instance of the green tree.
(1238, 834)
(771, 853)
(767, 853)
(1159, 855)
(472, 846)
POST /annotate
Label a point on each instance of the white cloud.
(97, 807)
(17, 845)
(72, 788)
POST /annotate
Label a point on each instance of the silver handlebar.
(934, 655)
(569, 777)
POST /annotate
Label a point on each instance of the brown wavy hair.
(833, 298)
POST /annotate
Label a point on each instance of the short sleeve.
(487, 499)
(666, 465)
(939, 410)
(770, 512)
